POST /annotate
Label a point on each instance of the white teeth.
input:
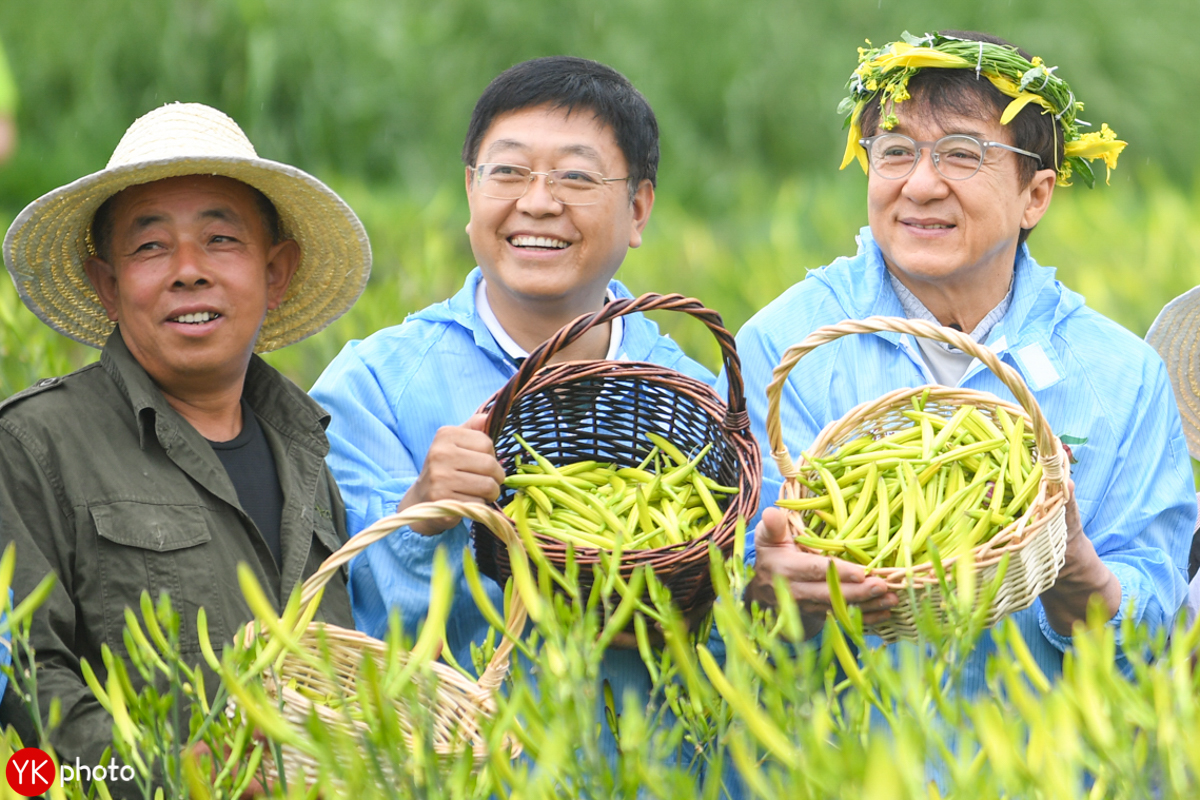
(930, 227)
(196, 318)
(538, 241)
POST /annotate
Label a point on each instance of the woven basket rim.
(1056, 469)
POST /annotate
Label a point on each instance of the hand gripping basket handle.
(514, 623)
(736, 418)
(1049, 448)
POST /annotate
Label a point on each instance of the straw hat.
(47, 244)
(1176, 337)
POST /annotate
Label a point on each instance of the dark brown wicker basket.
(579, 410)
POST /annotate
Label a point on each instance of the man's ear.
(104, 280)
(643, 201)
(1041, 189)
(468, 183)
(282, 261)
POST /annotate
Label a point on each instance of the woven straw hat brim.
(48, 243)
(1175, 334)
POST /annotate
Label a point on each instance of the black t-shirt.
(251, 466)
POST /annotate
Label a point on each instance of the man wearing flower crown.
(179, 458)
(964, 139)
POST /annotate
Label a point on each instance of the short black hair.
(102, 222)
(571, 84)
(959, 91)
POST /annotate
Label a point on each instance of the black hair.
(102, 222)
(936, 92)
(571, 84)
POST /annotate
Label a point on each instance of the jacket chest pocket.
(327, 540)
(335, 604)
(157, 548)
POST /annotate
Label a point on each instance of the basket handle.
(736, 418)
(514, 622)
(1049, 447)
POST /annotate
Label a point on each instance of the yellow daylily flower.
(905, 56)
(1010, 88)
(1102, 144)
(1097, 144)
(1023, 99)
(853, 148)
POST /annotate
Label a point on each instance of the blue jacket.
(1092, 378)
(388, 395)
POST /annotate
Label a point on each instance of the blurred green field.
(373, 97)
(1129, 249)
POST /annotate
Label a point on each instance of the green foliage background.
(373, 97)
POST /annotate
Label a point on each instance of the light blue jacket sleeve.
(374, 468)
(367, 457)
(759, 356)
(1141, 520)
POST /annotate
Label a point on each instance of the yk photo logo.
(31, 772)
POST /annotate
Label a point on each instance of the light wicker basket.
(1036, 541)
(458, 705)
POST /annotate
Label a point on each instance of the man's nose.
(190, 265)
(538, 199)
(925, 180)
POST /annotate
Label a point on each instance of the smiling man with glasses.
(561, 156)
(967, 138)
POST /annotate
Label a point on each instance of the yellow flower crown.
(884, 72)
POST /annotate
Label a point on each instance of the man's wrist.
(1083, 576)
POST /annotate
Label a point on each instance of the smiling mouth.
(198, 318)
(934, 227)
(538, 243)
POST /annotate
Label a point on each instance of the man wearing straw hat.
(964, 138)
(1174, 336)
(180, 454)
(561, 158)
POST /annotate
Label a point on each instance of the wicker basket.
(1036, 541)
(602, 410)
(458, 704)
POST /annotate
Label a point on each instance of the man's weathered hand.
(461, 465)
(1083, 575)
(777, 554)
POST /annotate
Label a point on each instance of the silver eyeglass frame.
(920, 147)
(477, 176)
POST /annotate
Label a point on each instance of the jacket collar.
(273, 397)
(639, 338)
(1039, 302)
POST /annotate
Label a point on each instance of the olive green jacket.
(104, 483)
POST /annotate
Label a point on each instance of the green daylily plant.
(770, 716)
